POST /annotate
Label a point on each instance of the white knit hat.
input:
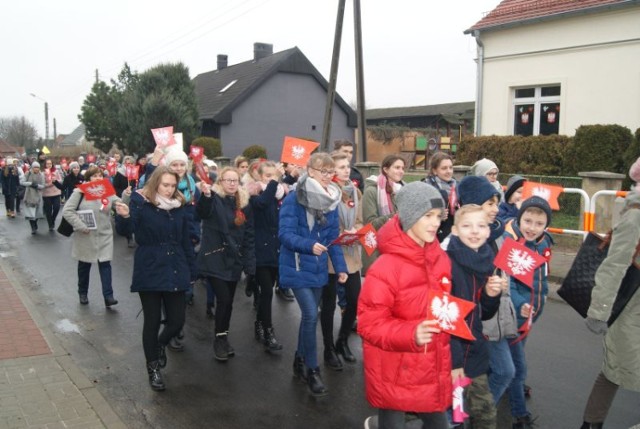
(175, 155)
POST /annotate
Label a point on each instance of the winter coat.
(52, 183)
(299, 267)
(97, 245)
(622, 341)
(445, 225)
(371, 214)
(33, 211)
(226, 249)
(164, 260)
(470, 271)
(352, 254)
(520, 293)
(399, 374)
(266, 213)
(507, 212)
(10, 180)
(69, 184)
(187, 186)
(120, 183)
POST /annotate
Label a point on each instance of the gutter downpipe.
(479, 83)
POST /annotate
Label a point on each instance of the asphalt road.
(256, 389)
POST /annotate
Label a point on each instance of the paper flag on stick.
(163, 137)
(518, 261)
(63, 164)
(112, 168)
(196, 153)
(91, 158)
(97, 189)
(297, 151)
(458, 399)
(177, 137)
(201, 172)
(368, 238)
(347, 239)
(542, 190)
(133, 172)
(450, 311)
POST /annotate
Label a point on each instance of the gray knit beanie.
(414, 200)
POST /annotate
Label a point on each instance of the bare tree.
(18, 131)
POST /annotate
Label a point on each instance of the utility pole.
(46, 121)
(333, 77)
(55, 131)
(362, 121)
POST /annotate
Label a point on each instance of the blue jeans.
(516, 389)
(84, 269)
(501, 368)
(308, 300)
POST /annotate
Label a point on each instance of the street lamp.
(46, 116)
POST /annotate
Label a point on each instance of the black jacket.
(266, 210)
(470, 271)
(226, 249)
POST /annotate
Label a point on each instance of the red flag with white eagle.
(64, 164)
(112, 167)
(548, 192)
(347, 239)
(97, 190)
(297, 151)
(458, 399)
(196, 153)
(133, 171)
(450, 312)
(518, 261)
(368, 238)
(163, 137)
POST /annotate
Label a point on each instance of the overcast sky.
(415, 52)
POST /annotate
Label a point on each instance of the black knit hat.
(476, 190)
(537, 202)
(513, 184)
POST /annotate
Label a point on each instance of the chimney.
(261, 50)
(222, 62)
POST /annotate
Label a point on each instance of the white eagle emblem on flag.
(298, 152)
(541, 192)
(370, 240)
(520, 262)
(162, 136)
(446, 312)
(457, 397)
(96, 191)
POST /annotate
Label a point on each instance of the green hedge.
(254, 152)
(212, 147)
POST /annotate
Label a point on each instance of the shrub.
(212, 147)
(255, 152)
(600, 148)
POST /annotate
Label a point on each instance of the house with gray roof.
(447, 117)
(76, 138)
(260, 101)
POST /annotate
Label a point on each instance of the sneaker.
(371, 422)
(221, 348)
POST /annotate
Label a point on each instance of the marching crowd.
(278, 226)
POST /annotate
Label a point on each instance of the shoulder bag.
(65, 228)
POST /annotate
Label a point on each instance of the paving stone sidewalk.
(40, 385)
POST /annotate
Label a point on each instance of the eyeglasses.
(324, 172)
(230, 181)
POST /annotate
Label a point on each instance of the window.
(536, 110)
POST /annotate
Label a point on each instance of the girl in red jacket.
(407, 361)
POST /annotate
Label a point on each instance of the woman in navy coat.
(308, 225)
(163, 265)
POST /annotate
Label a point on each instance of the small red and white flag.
(91, 158)
(543, 190)
(347, 239)
(98, 190)
(450, 312)
(368, 238)
(458, 399)
(297, 151)
(196, 153)
(163, 137)
(133, 172)
(518, 261)
(63, 164)
(112, 167)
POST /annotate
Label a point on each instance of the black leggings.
(152, 306)
(265, 279)
(225, 290)
(352, 289)
(51, 206)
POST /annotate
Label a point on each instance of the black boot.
(259, 331)
(155, 376)
(524, 422)
(221, 347)
(316, 385)
(162, 356)
(34, 226)
(109, 301)
(331, 359)
(342, 348)
(84, 299)
(299, 370)
(270, 341)
(586, 425)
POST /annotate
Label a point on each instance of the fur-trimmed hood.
(242, 194)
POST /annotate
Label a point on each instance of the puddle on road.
(65, 325)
